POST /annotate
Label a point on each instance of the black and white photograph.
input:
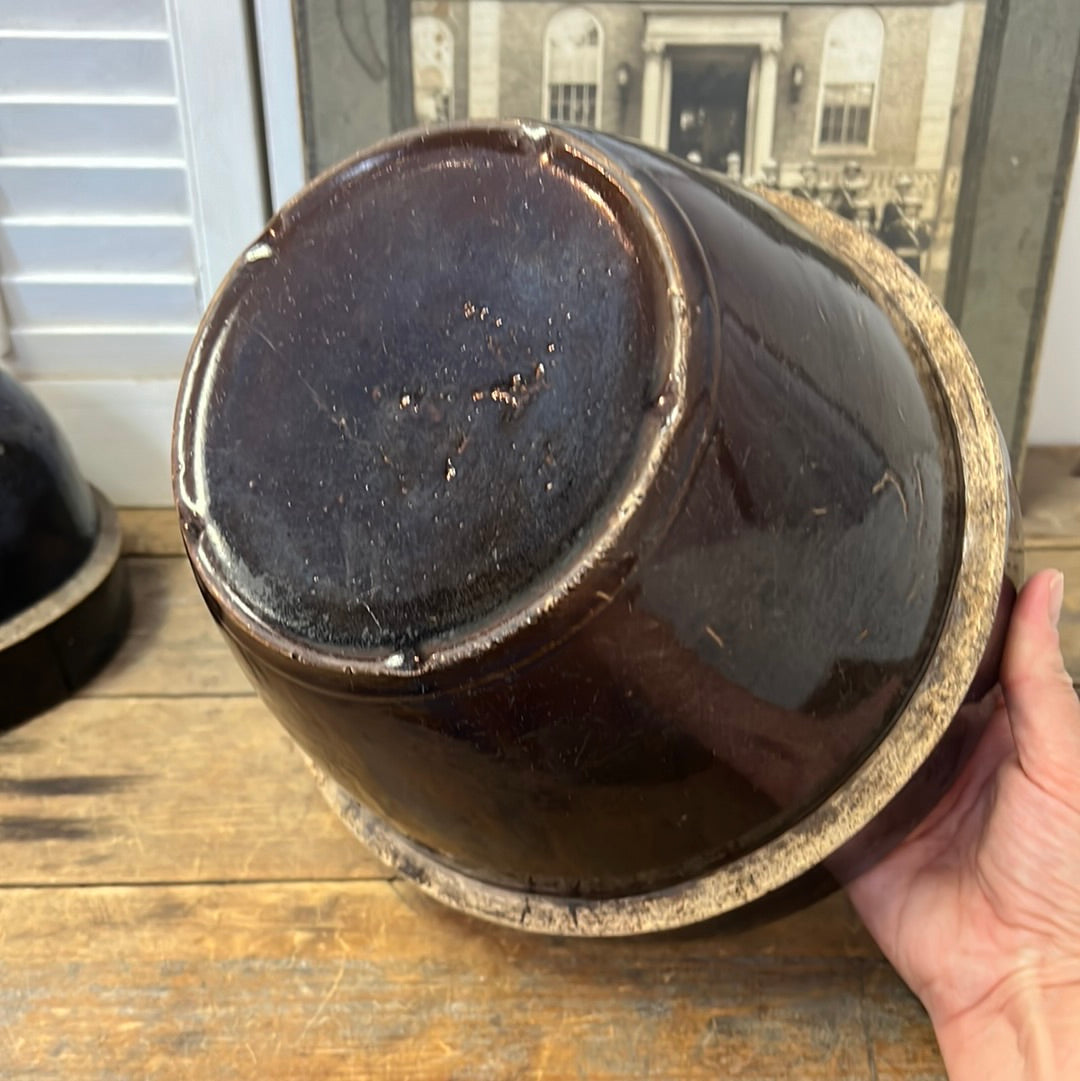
(863, 109)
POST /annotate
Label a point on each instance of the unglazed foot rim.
(926, 330)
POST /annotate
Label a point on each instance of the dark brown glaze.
(934, 777)
(424, 395)
(364, 470)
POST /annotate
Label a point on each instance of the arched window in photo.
(433, 69)
(573, 62)
(850, 72)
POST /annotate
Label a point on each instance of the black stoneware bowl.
(64, 601)
(623, 547)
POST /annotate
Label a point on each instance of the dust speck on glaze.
(587, 520)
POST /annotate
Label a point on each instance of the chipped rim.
(925, 328)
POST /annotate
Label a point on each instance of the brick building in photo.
(765, 89)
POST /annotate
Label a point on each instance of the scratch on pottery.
(889, 477)
(714, 636)
(922, 499)
(341, 423)
(367, 608)
(581, 749)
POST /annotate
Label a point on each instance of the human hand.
(979, 909)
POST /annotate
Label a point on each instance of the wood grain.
(1050, 497)
(164, 790)
(364, 980)
(150, 531)
(173, 647)
(1067, 561)
(898, 1033)
(176, 901)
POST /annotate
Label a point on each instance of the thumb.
(1043, 709)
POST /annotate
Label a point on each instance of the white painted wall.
(1055, 411)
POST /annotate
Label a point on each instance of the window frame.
(545, 83)
(848, 110)
(843, 149)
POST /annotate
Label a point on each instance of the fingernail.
(1057, 595)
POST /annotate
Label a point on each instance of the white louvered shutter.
(129, 177)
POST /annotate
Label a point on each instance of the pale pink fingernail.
(1057, 595)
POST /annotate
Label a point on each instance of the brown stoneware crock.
(622, 546)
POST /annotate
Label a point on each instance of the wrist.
(1027, 1029)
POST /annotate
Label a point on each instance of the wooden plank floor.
(176, 901)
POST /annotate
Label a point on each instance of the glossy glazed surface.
(47, 513)
(773, 601)
(424, 389)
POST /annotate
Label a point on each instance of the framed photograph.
(945, 128)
